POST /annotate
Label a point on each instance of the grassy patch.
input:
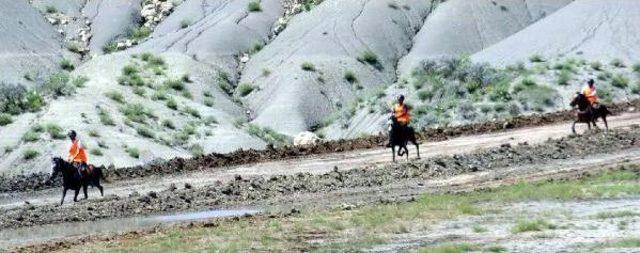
(5, 119)
(31, 136)
(96, 152)
(245, 89)
(30, 154)
(115, 96)
(536, 58)
(50, 9)
(618, 214)
(370, 58)
(105, 117)
(140, 33)
(136, 113)
(66, 64)
(254, 6)
(448, 248)
(620, 81)
(268, 135)
(145, 132)
(55, 131)
(631, 242)
(617, 63)
(350, 77)
(534, 225)
(307, 66)
(185, 23)
(133, 152)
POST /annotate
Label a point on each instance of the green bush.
(58, 85)
(51, 9)
(139, 91)
(350, 77)
(105, 118)
(73, 46)
(34, 101)
(175, 84)
(94, 133)
(96, 152)
(636, 68)
(115, 96)
(208, 102)
(159, 95)
(5, 119)
(130, 70)
(369, 57)
(133, 152)
(140, 33)
(619, 81)
(596, 65)
(134, 80)
(307, 66)
(536, 58)
(635, 90)
(617, 63)
(193, 112)
(254, 6)
(67, 65)
(55, 131)
(424, 95)
(110, 47)
(31, 136)
(564, 77)
(79, 81)
(245, 89)
(187, 94)
(136, 112)
(196, 150)
(30, 154)
(185, 23)
(268, 135)
(152, 60)
(172, 104)
(145, 132)
(168, 124)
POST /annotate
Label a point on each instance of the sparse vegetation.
(254, 6)
(536, 58)
(55, 131)
(96, 152)
(619, 81)
(66, 64)
(350, 77)
(115, 96)
(74, 46)
(448, 248)
(168, 124)
(140, 33)
(105, 117)
(172, 104)
(133, 152)
(5, 119)
(268, 135)
(191, 111)
(596, 65)
(94, 133)
(208, 102)
(175, 84)
(617, 63)
(145, 132)
(370, 58)
(110, 47)
(58, 85)
(245, 89)
(136, 113)
(307, 66)
(636, 68)
(31, 136)
(196, 150)
(79, 81)
(50, 9)
(185, 23)
(564, 77)
(30, 154)
(535, 225)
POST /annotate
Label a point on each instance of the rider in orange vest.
(401, 112)
(589, 91)
(77, 153)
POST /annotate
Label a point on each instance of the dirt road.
(321, 163)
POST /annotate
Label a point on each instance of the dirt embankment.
(39, 181)
(249, 191)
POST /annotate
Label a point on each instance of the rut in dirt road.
(248, 191)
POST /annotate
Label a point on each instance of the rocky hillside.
(143, 80)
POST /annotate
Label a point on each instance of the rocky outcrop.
(306, 139)
(155, 11)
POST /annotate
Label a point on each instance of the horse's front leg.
(406, 151)
(573, 127)
(418, 150)
(84, 190)
(606, 125)
(75, 196)
(393, 152)
(64, 193)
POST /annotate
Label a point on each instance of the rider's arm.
(73, 156)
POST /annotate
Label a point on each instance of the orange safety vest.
(401, 112)
(77, 149)
(590, 94)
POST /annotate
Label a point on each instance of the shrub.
(196, 150)
(564, 76)
(51, 9)
(58, 85)
(257, 47)
(5, 119)
(30, 154)
(131, 80)
(139, 91)
(307, 66)
(140, 33)
(31, 136)
(172, 104)
(74, 47)
(369, 57)
(159, 95)
(245, 89)
(110, 47)
(636, 68)
(635, 90)
(185, 23)
(168, 124)
(67, 65)
(500, 92)
(254, 6)
(604, 76)
(12, 98)
(187, 94)
(34, 101)
(268, 135)
(133, 152)
(424, 95)
(130, 70)
(145, 132)
(175, 84)
(350, 77)
(94, 133)
(536, 58)
(210, 120)
(79, 81)
(152, 60)
(617, 63)
(136, 112)
(620, 81)
(115, 96)
(208, 102)
(105, 118)
(193, 112)
(55, 131)
(596, 65)
(96, 152)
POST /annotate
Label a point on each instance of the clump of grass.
(79, 81)
(636, 68)
(208, 102)
(96, 152)
(31, 136)
(596, 65)
(130, 70)
(448, 248)
(350, 77)
(536, 58)
(245, 89)
(196, 150)
(535, 225)
(635, 89)
(105, 117)
(73, 47)
(55, 131)
(133, 152)
(115, 96)
(58, 85)
(185, 23)
(172, 104)
(564, 77)
(66, 64)
(145, 132)
(617, 63)
(94, 133)
(191, 111)
(140, 33)
(496, 249)
(175, 84)
(268, 135)
(187, 94)
(479, 229)
(307, 66)
(50, 9)
(619, 81)
(5, 119)
(168, 124)
(30, 154)
(136, 113)
(254, 6)
(370, 58)
(152, 60)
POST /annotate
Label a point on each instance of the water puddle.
(29, 235)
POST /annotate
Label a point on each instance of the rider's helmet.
(72, 134)
(401, 98)
(591, 82)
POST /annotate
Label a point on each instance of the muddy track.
(258, 189)
(39, 181)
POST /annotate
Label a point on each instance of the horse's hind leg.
(418, 150)
(84, 190)
(606, 125)
(64, 193)
(573, 127)
(75, 197)
(393, 152)
(406, 151)
(97, 185)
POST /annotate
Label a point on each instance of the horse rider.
(589, 91)
(77, 154)
(401, 117)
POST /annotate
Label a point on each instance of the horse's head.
(579, 99)
(57, 164)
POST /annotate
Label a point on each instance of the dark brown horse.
(71, 179)
(587, 113)
(400, 136)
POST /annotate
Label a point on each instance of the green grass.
(31, 136)
(96, 152)
(175, 84)
(79, 81)
(140, 33)
(193, 112)
(536, 58)
(94, 133)
(5, 119)
(55, 131)
(30, 154)
(185, 23)
(350, 77)
(115, 96)
(534, 225)
(136, 113)
(448, 248)
(145, 132)
(133, 152)
(618, 214)
(479, 229)
(268, 135)
(66, 64)
(130, 70)
(105, 117)
(564, 77)
(50, 9)
(596, 65)
(254, 6)
(370, 58)
(172, 104)
(636, 68)
(168, 124)
(495, 249)
(620, 81)
(307, 66)
(617, 63)
(245, 89)
(110, 47)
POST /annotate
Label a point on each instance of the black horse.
(588, 114)
(400, 136)
(71, 180)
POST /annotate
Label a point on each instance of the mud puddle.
(36, 234)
